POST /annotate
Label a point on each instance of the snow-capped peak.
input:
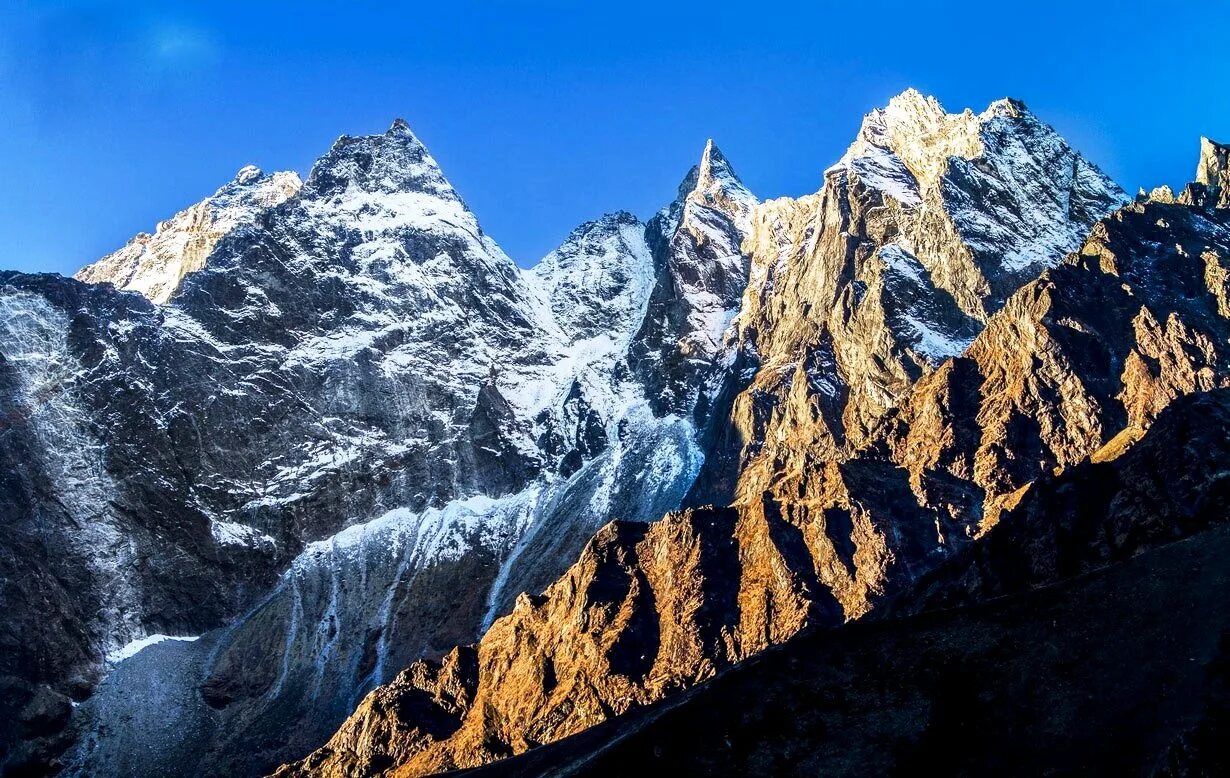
(1018, 195)
(395, 161)
(386, 184)
(711, 183)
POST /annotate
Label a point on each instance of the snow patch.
(932, 342)
(229, 533)
(136, 646)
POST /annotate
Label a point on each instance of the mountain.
(832, 533)
(921, 231)
(284, 477)
(353, 409)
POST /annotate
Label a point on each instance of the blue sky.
(115, 115)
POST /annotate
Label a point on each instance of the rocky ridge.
(155, 265)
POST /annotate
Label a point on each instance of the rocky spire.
(1212, 185)
(1214, 163)
(701, 275)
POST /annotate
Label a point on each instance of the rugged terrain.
(307, 435)
(342, 442)
(1113, 670)
(1073, 366)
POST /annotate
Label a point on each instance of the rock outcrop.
(1212, 174)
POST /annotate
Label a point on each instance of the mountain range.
(315, 480)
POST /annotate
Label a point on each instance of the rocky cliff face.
(921, 231)
(1074, 366)
(354, 410)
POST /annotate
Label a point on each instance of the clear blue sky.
(115, 115)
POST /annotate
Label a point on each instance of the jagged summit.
(1015, 192)
(918, 130)
(391, 162)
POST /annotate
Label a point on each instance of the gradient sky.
(116, 115)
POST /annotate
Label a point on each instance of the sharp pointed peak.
(711, 173)
(711, 183)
